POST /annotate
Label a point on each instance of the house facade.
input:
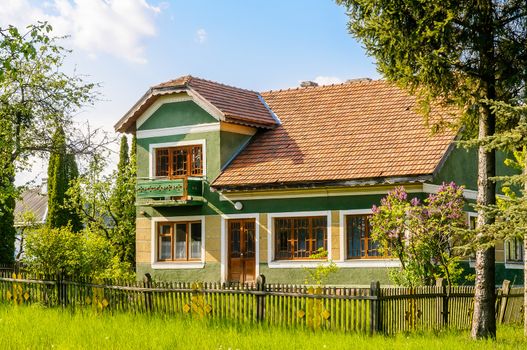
(233, 183)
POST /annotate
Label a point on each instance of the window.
(514, 250)
(179, 241)
(359, 244)
(179, 161)
(299, 238)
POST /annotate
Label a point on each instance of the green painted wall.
(214, 206)
(462, 168)
(210, 273)
(211, 138)
(177, 114)
(344, 276)
(231, 144)
(502, 273)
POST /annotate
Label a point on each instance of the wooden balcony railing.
(165, 192)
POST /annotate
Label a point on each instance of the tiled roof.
(236, 105)
(336, 133)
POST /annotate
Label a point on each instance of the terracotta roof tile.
(350, 131)
(238, 105)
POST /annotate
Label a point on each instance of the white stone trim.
(294, 263)
(369, 263)
(468, 194)
(224, 236)
(206, 105)
(178, 130)
(153, 146)
(313, 193)
(176, 264)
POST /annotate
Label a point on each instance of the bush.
(53, 251)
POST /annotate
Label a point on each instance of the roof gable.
(174, 114)
(231, 104)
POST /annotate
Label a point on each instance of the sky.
(129, 45)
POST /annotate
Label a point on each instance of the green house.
(233, 183)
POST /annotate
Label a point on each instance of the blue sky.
(129, 45)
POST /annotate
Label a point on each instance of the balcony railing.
(164, 192)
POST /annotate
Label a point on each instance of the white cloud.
(201, 35)
(323, 80)
(115, 27)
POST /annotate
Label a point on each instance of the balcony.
(164, 192)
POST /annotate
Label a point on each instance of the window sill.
(369, 263)
(175, 265)
(514, 265)
(295, 264)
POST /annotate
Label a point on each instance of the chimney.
(308, 83)
(358, 80)
(44, 186)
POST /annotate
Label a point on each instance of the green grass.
(33, 327)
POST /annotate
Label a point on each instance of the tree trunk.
(484, 318)
(525, 253)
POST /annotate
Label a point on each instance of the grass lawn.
(33, 327)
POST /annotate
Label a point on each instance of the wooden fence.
(388, 310)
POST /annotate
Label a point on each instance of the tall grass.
(34, 327)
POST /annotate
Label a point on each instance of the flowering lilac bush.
(421, 234)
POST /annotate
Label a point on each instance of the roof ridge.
(187, 79)
(348, 82)
(226, 85)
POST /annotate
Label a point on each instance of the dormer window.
(177, 162)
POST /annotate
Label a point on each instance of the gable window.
(359, 244)
(514, 251)
(299, 237)
(179, 241)
(183, 161)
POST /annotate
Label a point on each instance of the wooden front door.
(241, 252)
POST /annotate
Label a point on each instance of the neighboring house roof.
(233, 104)
(347, 132)
(34, 201)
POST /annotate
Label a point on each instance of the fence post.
(375, 307)
(147, 283)
(260, 298)
(61, 297)
(441, 282)
(505, 291)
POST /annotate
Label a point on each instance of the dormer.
(188, 129)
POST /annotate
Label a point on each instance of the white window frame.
(513, 265)
(285, 264)
(224, 236)
(154, 146)
(167, 265)
(343, 262)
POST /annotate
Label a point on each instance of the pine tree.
(8, 194)
(62, 168)
(467, 53)
(123, 203)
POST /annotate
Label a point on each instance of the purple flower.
(415, 202)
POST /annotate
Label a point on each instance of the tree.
(35, 97)
(423, 236)
(123, 202)
(62, 169)
(511, 211)
(106, 203)
(466, 53)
